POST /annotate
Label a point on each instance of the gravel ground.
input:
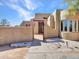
(52, 49)
(12, 53)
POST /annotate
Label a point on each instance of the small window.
(27, 24)
(44, 18)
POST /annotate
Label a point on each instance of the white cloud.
(23, 14)
(1, 4)
(29, 4)
(13, 1)
(32, 4)
(25, 8)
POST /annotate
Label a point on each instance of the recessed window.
(78, 26)
(75, 26)
(69, 26)
(27, 24)
(70, 29)
(61, 25)
(65, 25)
(44, 18)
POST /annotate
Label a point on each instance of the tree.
(4, 22)
(73, 6)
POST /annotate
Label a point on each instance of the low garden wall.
(15, 34)
(70, 35)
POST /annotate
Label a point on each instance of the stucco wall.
(15, 34)
(49, 31)
(66, 15)
(51, 24)
(41, 15)
(70, 35)
(35, 27)
(53, 30)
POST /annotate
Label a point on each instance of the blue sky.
(15, 11)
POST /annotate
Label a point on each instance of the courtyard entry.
(41, 27)
(38, 29)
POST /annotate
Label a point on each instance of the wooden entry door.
(41, 27)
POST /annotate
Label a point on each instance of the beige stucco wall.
(15, 34)
(38, 16)
(35, 27)
(51, 24)
(51, 31)
(41, 15)
(70, 35)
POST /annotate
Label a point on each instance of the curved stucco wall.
(70, 35)
(51, 26)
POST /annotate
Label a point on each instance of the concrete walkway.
(54, 50)
(45, 52)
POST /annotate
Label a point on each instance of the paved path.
(52, 56)
(48, 52)
(54, 49)
(44, 52)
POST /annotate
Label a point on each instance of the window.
(27, 24)
(75, 26)
(65, 25)
(69, 26)
(78, 26)
(70, 29)
(61, 25)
